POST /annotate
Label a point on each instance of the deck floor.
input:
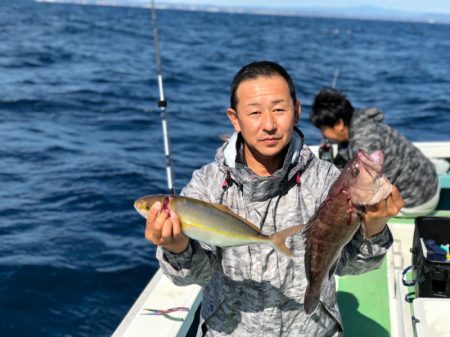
(368, 302)
(363, 303)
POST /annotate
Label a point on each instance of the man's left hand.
(376, 216)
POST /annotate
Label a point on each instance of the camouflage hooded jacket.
(253, 290)
(405, 165)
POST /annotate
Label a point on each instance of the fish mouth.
(380, 187)
(143, 204)
(140, 207)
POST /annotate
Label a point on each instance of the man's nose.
(269, 122)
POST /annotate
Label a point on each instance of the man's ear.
(232, 115)
(342, 130)
(297, 111)
(339, 125)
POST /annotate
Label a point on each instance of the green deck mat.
(364, 303)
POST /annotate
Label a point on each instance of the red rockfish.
(361, 182)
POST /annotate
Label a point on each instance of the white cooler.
(432, 316)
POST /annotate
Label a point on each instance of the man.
(405, 165)
(266, 174)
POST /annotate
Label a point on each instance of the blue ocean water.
(81, 136)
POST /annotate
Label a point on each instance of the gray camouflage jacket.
(405, 165)
(252, 290)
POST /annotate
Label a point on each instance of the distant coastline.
(357, 12)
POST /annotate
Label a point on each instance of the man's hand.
(376, 216)
(163, 229)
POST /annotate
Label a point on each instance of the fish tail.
(277, 239)
(312, 296)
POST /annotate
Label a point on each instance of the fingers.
(397, 197)
(160, 223)
(376, 216)
(176, 225)
(151, 218)
(389, 206)
(166, 230)
(154, 211)
(163, 226)
(394, 202)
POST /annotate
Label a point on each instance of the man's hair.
(256, 70)
(329, 106)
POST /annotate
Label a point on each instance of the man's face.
(337, 133)
(265, 115)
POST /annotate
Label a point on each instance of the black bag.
(432, 277)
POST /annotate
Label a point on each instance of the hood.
(362, 116)
(254, 187)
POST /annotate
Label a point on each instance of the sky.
(420, 6)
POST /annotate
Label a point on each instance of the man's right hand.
(163, 229)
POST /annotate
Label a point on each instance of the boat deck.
(372, 304)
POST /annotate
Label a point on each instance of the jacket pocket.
(213, 297)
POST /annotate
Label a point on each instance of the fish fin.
(227, 210)
(312, 297)
(310, 224)
(222, 207)
(306, 234)
(277, 239)
(307, 230)
(332, 270)
(307, 264)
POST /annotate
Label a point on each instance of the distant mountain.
(376, 13)
(355, 12)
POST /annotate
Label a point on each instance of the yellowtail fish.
(215, 224)
(361, 182)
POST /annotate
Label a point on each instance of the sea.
(81, 135)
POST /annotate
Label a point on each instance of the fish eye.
(147, 206)
(355, 171)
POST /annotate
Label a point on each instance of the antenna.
(162, 104)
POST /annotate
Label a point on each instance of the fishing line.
(162, 104)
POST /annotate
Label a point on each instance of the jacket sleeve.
(361, 255)
(197, 263)
(368, 137)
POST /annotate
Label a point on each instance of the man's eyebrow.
(278, 101)
(281, 100)
(253, 104)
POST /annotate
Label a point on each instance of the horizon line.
(319, 12)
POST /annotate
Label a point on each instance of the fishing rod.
(335, 77)
(162, 104)
(326, 151)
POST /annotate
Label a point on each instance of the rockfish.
(215, 224)
(361, 182)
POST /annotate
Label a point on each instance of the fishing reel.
(326, 151)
